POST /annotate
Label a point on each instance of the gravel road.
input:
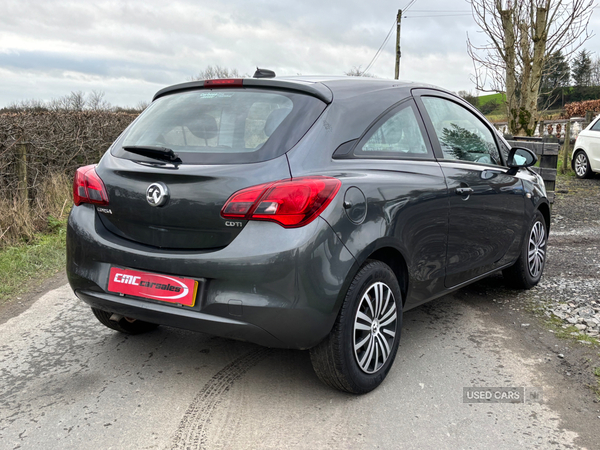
(571, 285)
(67, 382)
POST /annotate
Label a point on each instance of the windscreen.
(223, 126)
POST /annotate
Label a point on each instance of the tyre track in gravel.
(192, 430)
(274, 407)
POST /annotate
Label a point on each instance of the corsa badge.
(157, 194)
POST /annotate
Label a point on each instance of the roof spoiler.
(317, 90)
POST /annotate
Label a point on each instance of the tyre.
(123, 324)
(527, 271)
(360, 350)
(581, 164)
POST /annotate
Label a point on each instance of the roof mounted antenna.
(263, 73)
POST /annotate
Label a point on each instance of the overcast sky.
(129, 49)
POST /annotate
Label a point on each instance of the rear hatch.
(169, 175)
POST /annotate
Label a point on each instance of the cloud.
(112, 44)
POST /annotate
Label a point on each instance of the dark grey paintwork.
(191, 219)
(284, 287)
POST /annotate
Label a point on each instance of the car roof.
(323, 87)
(348, 86)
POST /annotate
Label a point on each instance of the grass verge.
(569, 332)
(26, 265)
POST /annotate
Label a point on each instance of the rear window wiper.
(153, 152)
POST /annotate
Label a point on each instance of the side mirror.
(519, 157)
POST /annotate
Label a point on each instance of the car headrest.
(203, 126)
(275, 119)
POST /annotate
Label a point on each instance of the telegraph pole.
(398, 53)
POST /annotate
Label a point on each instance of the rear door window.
(223, 126)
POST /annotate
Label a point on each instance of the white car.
(586, 155)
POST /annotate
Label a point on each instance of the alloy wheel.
(581, 164)
(375, 326)
(536, 253)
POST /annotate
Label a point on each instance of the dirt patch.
(22, 302)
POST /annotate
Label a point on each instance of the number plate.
(165, 288)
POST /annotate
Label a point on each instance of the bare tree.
(211, 73)
(75, 101)
(28, 105)
(521, 34)
(97, 102)
(141, 105)
(357, 71)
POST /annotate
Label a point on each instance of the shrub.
(56, 143)
(575, 109)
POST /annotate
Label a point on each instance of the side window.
(596, 126)
(397, 135)
(461, 134)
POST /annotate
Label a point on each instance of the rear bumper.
(272, 286)
(180, 318)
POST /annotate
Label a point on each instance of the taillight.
(88, 187)
(290, 203)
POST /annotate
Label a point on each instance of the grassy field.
(499, 98)
(25, 266)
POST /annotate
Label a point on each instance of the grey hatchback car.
(303, 213)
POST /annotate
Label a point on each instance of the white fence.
(552, 127)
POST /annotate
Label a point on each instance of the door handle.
(464, 191)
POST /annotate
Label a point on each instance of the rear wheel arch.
(588, 172)
(544, 208)
(385, 253)
(395, 260)
(384, 250)
(577, 150)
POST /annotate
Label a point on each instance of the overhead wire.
(387, 38)
(418, 14)
(408, 6)
(438, 11)
(437, 15)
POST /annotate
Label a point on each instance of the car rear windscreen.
(223, 126)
